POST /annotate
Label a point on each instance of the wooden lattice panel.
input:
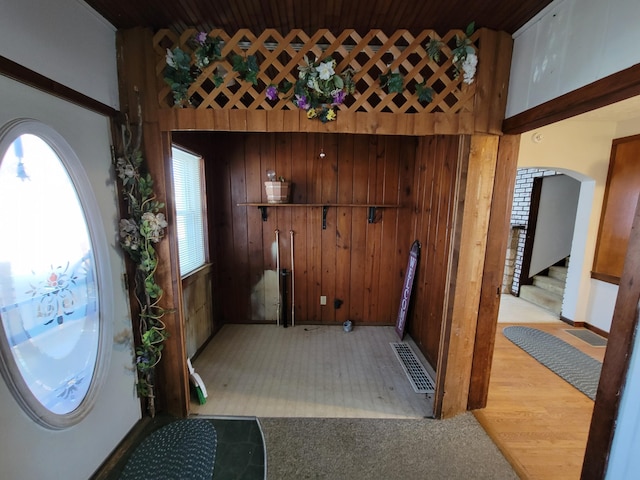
(370, 56)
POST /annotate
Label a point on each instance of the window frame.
(93, 217)
(203, 209)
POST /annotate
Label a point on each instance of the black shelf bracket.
(263, 210)
(372, 214)
(325, 209)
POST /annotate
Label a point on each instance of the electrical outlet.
(323, 299)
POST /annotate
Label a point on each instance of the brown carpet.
(389, 449)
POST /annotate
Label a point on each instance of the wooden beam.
(137, 84)
(371, 123)
(497, 238)
(616, 361)
(14, 70)
(459, 331)
(614, 88)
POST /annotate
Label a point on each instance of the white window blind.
(187, 182)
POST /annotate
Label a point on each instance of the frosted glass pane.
(48, 290)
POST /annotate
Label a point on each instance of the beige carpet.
(307, 371)
(381, 449)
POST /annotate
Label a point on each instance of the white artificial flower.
(127, 226)
(469, 67)
(170, 60)
(125, 169)
(325, 70)
(129, 234)
(314, 85)
(153, 225)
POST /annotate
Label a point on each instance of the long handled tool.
(293, 286)
(278, 275)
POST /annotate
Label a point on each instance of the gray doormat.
(566, 361)
(588, 336)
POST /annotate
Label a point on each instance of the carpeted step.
(549, 283)
(558, 272)
(541, 297)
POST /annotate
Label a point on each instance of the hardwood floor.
(539, 421)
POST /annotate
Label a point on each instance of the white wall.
(573, 43)
(570, 44)
(553, 234)
(29, 450)
(66, 42)
(580, 149)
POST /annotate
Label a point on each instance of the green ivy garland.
(139, 232)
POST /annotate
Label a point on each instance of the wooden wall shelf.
(325, 207)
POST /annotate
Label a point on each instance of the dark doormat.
(181, 449)
(588, 336)
(239, 449)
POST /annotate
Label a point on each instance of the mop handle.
(293, 286)
(278, 275)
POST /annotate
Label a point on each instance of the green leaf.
(286, 86)
(218, 80)
(252, 64)
(433, 49)
(247, 68)
(424, 93)
(392, 81)
(251, 77)
(470, 29)
(238, 63)
(396, 83)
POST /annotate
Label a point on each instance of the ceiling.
(336, 15)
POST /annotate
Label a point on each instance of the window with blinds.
(189, 199)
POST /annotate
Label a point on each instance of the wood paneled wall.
(197, 293)
(358, 266)
(435, 186)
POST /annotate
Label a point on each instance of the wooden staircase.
(547, 290)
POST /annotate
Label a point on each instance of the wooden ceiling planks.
(335, 15)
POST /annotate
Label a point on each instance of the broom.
(197, 383)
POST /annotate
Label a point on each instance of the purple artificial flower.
(272, 92)
(201, 37)
(302, 102)
(338, 97)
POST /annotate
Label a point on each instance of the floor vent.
(416, 373)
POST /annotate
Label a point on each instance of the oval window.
(50, 300)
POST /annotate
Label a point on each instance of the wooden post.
(459, 328)
(137, 82)
(494, 63)
(616, 361)
(497, 237)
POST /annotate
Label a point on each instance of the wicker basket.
(277, 192)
